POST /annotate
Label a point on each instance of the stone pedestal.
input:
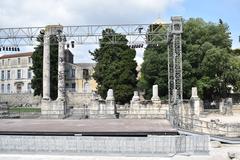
(94, 106)
(53, 109)
(135, 102)
(110, 108)
(195, 103)
(155, 96)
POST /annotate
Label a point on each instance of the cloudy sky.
(22, 13)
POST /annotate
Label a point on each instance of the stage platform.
(87, 127)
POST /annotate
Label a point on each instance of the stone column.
(51, 109)
(195, 103)
(155, 96)
(61, 69)
(46, 64)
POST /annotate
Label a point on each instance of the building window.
(2, 75)
(73, 73)
(30, 60)
(2, 88)
(85, 74)
(73, 86)
(19, 74)
(66, 85)
(8, 88)
(8, 74)
(29, 87)
(19, 88)
(29, 74)
(19, 61)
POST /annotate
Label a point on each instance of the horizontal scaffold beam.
(85, 34)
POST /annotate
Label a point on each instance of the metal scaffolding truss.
(175, 69)
(85, 34)
(135, 33)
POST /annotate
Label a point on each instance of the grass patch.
(23, 109)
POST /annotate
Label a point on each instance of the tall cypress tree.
(37, 67)
(116, 67)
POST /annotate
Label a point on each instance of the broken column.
(155, 98)
(222, 107)
(195, 103)
(135, 97)
(229, 105)
(110, 103)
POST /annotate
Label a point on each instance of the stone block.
(216, 144)
(53, 109)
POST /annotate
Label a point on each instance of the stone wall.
(78, 100)
(18, 99)
(151, 145)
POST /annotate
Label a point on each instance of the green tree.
(208, 61)
(116, 67)
(154, 69)
(37, 67)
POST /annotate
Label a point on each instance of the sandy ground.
(215, 154)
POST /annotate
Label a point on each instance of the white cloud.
(15, 13)
(35, 12)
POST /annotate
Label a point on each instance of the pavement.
(85, 126)
(215, 154)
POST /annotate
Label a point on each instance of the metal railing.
(212, 128)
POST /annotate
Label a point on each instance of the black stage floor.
(87, 127)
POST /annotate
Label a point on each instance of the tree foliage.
(154, 69)
(37, 67)
(116, 67)
(208, 61)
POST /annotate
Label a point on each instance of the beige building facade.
(79, 78)
(15, 73)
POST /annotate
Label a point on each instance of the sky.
(25, 13)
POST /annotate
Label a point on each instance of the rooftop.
(86, 65)
(25, 54)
